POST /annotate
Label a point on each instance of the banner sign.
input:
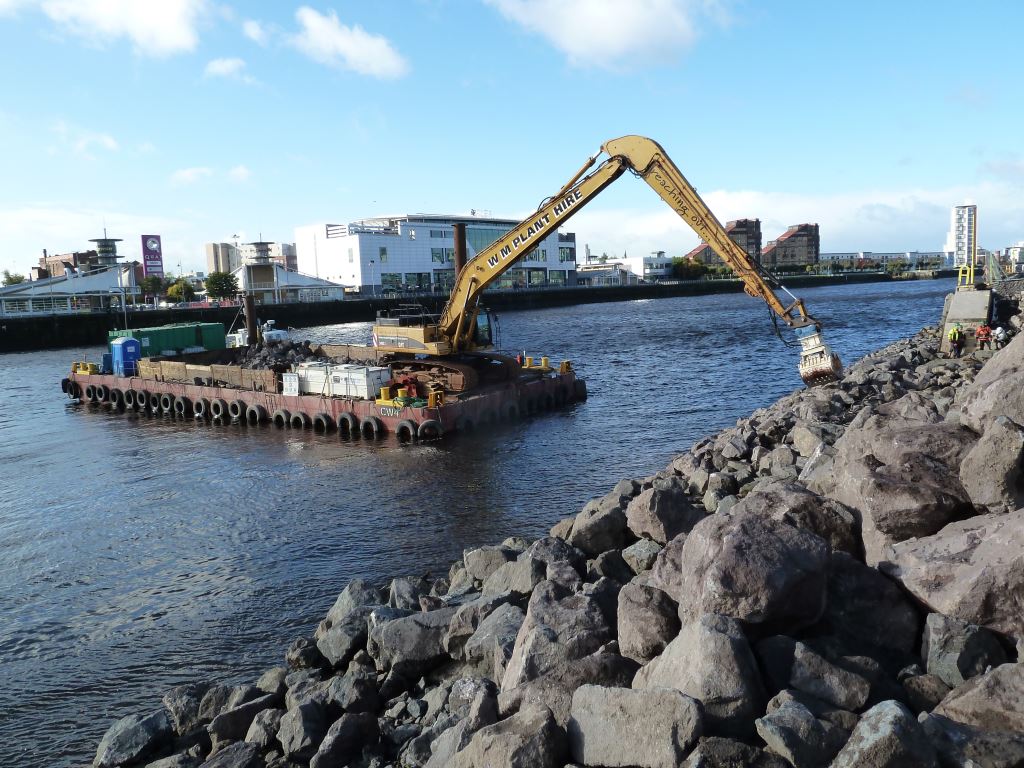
(152, 256)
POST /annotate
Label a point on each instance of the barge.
(211, 385)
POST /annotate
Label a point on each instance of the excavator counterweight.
(455, 331)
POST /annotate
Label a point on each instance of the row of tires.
(217, 409)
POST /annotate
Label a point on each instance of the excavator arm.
(646, 159)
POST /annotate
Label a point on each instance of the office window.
(391, 280)
(566, 254)
(383, 255)
(438, 233)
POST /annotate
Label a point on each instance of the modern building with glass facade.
(416, 252)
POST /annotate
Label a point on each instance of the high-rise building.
(222, 257)
(962, 239)
(746, 233)
(798, 246)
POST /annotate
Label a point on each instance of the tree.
(12, 279)
(181, 290)
(152, 285)
(686, 269)
(221, 285)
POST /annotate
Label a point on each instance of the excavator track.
(456, 375)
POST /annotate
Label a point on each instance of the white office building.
(416, 252)
(962, 239)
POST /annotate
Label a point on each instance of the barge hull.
(505, 402)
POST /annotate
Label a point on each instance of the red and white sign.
(152, 256)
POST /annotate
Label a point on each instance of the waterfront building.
(860, 259)
(798, 246)
(227, 257)
(650, 269)
(72, 291)
(263, 276)
(416, 252)
(746, 233)
(1014, 257)
(609, 273)
(962, 238)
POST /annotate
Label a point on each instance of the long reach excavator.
(457, 341)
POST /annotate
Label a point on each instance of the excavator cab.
(486, 324)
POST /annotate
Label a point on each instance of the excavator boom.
(645, 158)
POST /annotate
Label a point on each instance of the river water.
(138, 553)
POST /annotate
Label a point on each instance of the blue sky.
(198, 119)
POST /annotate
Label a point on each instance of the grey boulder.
(972, 570)
(992, 472)
(132, 738)
(956, 651)
(653, 728)
(887, 736)
(529, 739)
(754, 569)
(710, 660)
(647, 621)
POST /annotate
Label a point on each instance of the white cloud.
(190, 175)
(880, 220)
(326, 40)
(255, 31)
(156, 29)
(610, 33)
(240, 173)
(80, 141)
(231, 68)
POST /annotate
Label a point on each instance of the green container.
(174, 339)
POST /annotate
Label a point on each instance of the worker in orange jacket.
(983, 335)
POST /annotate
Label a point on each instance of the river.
(137, 553)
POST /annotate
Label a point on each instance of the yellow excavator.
(463, 331)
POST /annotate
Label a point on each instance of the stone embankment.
(836, 580)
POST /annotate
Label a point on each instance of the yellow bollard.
(544, 363)
(528, 363)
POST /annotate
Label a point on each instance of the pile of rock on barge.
(835, 580)
(251, 386)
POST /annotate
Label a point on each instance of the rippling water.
(137, 553)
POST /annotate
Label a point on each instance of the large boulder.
(301, 730)
(345, 740)
(666, 573)
(956, 651)
(529, 739)
(233, 724)
(993, 701)
(662, 513)
(794, 733)
(344, 637)
(959, 744)
(520, 576)
(492, 643)
(357, 594)
(239, 755)
(654, 728)
(466, 620)
(132, 738)
(755, 569)
(915, 497)
(860, 601)
(813, 674)
(647, 621)
(972, 570)
(710, 660)
(554, 689)
(411, 645)
(718, 752)
(182, 705)
(792, 503)
(992, 472)
(559, 626)
(598, 528)
(887, 736)
(483, 561)
(997, 390)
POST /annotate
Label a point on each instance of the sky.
(202, 120)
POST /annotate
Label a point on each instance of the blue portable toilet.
(126, 353)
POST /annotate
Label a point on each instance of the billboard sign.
(152, 256)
